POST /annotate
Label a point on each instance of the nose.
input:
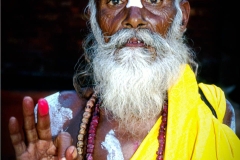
(134, 18)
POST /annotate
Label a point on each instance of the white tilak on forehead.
(58, 114)
(134, 3)
(113, 147)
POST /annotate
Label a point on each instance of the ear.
(185, 7)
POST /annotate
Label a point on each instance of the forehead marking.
(134, 3)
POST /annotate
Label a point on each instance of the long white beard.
(133, 82)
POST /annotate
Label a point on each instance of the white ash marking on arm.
(58, 114)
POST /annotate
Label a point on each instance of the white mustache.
(119, 39)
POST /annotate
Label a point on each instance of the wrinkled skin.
(156, 17)
(111, 17)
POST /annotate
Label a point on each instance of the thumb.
(71, 153)
(62, 142)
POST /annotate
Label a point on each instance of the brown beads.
(94, 123)
(92, 132)
(83, 126)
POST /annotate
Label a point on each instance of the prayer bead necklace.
(93, 126)
(162, 132)
(83, 126)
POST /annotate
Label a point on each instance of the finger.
(71, 153)
(29, 119)
(43, 122)
(16, 137)
(63, 141)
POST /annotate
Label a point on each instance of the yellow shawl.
(192, 130)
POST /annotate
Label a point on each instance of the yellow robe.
(193, 133)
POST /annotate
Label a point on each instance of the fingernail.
(63, 158)
(43, 107)
(74, 153)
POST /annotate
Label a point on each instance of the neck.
(127, 141)
(135, 131)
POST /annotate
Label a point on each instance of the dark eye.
(153, 1)
(114, 2)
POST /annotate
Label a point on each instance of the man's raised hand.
(38, 135)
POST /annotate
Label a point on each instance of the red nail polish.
(43, 107)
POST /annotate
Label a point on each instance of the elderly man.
(136, 97)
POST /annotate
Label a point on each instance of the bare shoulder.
(70, 99)
(64, 106)
(229, 117)
(67, 99)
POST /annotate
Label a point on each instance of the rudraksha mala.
(94, 123)
(84, 125)
(162, 132)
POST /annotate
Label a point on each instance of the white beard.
(132, 82)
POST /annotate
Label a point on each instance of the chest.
(111, 146)
(107, 144)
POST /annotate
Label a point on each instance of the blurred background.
(41, 43)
